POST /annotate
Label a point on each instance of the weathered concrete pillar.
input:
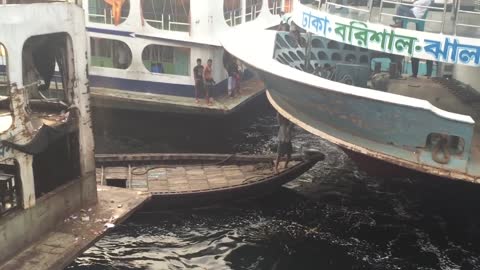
(26, 176)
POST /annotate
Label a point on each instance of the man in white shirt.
(418, 11)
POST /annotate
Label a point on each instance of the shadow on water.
(333, 217)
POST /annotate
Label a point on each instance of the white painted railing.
(369, 11)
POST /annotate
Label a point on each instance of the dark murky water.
(334, 217)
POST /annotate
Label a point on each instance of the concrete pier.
(79, 231)
(129, 100)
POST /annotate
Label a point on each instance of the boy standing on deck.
(284, 140)
(198, 76)
(209, 82)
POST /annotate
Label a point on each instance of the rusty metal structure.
(46, 157)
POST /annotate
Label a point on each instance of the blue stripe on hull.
(152, 87)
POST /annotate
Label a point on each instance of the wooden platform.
(136, 101)
(78, 232)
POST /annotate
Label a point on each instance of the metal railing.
(442, 22)
(233, 17)
(170, 24)
(458, 11)
(253, 14)
(334, 7)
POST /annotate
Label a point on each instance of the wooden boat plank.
(233, 173)
(247, 168)
(195, 172)
(199, 185)
(196, 177)
(179, 188)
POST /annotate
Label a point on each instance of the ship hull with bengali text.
(340, 79)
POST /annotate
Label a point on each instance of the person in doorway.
(417, 11)
(198, 76)
(209, 82)
(284, 140)
(415, 64)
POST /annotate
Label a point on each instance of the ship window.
(287, 57)
(253, 9)
(5, 116)
(171, 15)
(322, 56)
(3, 72)
(10, 187)
(48, 75)
(301, 55)
(350, 58)
(291, 41)
(167, 59)
(293, 56)
(317, 43)
(232, 12)
(349, 47)
(364, 59)
(281, 42)
(336, 57)
(275, 6)
(333, 45)
(99, 11)
(109, 53)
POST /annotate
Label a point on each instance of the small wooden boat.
(181, 179)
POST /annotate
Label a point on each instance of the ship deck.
(78, 231)
(444, 94)
(129, 100)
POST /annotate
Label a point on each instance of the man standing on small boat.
(198, 76)
(284, 140)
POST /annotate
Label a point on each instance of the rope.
(441, 146)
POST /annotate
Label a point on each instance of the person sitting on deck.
(284, 140)
(418, 11)
(209, 82)
(198, 76)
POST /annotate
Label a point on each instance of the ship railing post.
(457, 11)
(442, 27)
(102, 175)
(370, 9)
(308, 50)
(381, 11)
(129, 177)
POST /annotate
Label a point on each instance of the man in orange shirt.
(209, 82)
